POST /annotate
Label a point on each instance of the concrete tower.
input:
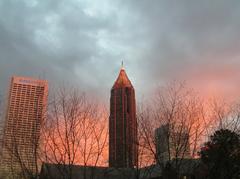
(172, 142)
(122, 124)
(25, 112)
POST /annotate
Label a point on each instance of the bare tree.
(20, 144)
(74, 133)
(225, 115)
(23, 155)
(174, 125)
(145, 147)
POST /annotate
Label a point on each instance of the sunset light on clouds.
(82, 43)
(136, 89)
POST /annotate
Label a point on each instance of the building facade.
(25, 112)
(122, 124)
(172, 142)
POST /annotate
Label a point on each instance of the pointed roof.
(122, 80)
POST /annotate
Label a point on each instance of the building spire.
(122, 79)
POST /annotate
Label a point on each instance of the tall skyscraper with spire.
(122, 124)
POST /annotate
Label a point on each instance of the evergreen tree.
(222, 155)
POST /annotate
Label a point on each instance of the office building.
(122, 124)
(172, 142)
(25, 112)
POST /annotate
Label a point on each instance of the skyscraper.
(25, 113)
(172, 142)
(122, 124)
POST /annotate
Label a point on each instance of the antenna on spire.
(122, 65)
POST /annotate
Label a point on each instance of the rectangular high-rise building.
(25, 112)
(172, 142)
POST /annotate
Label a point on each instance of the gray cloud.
(83, 42)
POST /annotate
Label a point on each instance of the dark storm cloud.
(83, 42)
(191, 41)
(51, 39)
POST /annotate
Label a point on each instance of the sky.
(82, 43)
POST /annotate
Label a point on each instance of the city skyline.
(66, 115)
(82, 43)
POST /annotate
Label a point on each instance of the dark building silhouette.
(172, 142)
(122, 124)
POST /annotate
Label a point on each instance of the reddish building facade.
(122, 124)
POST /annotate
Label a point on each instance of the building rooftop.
(122, 80)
